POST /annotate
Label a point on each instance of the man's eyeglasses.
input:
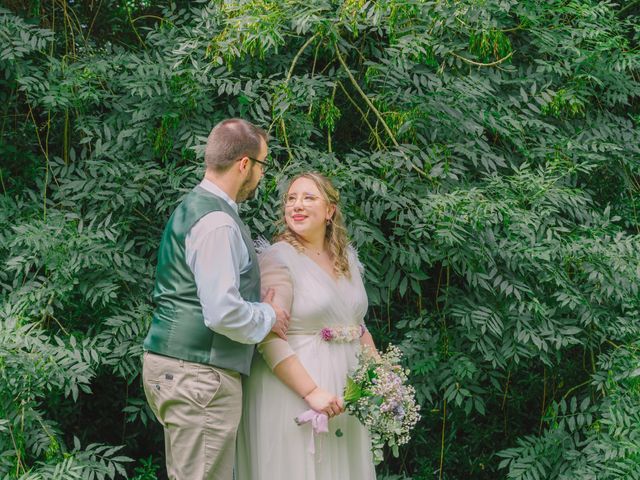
(264, 164)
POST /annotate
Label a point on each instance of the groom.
(208, 315)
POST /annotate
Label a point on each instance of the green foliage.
(488, 158)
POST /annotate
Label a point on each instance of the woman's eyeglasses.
(307, 200)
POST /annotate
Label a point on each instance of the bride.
(316, 277)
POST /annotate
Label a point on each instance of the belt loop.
(181, 363)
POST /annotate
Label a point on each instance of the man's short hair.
(230, 140)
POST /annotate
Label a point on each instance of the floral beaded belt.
(342, 333)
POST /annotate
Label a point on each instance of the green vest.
(177, 327)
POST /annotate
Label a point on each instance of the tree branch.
(295, 59)
(628, 7)
(364, 117)
(372, 106)
(365, 98)
(286, 82)
(478, 64)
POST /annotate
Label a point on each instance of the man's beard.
(246, 192)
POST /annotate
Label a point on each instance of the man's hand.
(282, 316)
(322, 401)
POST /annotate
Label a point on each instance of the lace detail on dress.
(357, 259)
(261, 244)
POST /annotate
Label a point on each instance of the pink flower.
(326, 334)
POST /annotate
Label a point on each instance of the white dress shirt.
(217, 255)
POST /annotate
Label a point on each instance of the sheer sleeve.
(355, 265)
(275, 273)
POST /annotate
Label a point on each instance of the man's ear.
(244, 163)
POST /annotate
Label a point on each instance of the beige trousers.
(199, 407)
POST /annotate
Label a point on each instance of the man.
(208, 315)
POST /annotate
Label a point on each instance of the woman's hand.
(322, 401)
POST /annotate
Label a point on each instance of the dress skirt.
(271, 446)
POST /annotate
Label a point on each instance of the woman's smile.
(306, 211)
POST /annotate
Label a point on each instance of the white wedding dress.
(270, 444)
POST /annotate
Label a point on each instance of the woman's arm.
(276, 278)
(293, 374)
(278, 354)
(366, 341)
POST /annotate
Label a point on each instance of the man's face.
(254, 175)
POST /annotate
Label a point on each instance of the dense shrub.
(488, 155)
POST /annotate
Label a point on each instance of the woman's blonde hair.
(336, 234)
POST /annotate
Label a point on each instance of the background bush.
(488, 156)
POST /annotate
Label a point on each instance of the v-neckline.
(333, 279)
(340, 287)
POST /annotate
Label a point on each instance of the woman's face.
(306, 211)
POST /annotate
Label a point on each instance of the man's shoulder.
(215, 220)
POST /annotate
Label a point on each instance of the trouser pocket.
(203, 385)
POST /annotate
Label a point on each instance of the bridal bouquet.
(378, 395)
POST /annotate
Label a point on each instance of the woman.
(316, 278)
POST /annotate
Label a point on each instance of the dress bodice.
(314, 299)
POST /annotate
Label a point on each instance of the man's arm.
(215, 252)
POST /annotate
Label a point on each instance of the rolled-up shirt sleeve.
(275, 274)
(215, 252)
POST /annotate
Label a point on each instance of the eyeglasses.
(264, 164)
(307, 200)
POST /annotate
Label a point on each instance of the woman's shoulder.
(280, 251)
(354, 260)
(282, 246)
